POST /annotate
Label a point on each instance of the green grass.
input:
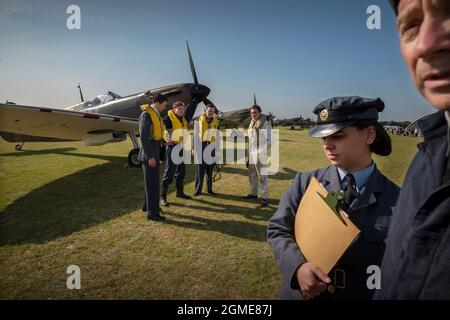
(63, 204)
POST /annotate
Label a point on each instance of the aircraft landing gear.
(19, 146)
(133, 160)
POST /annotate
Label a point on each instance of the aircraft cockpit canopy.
(99, 100)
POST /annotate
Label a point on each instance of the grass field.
(64, 204)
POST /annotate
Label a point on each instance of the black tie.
(349, 190)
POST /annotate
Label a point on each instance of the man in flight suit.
(208, 132)
(151, 130)
(176, 131)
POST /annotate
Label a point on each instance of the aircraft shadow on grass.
(73, 202)
(101, 193)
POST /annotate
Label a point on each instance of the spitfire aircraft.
(237, 118)
(303, 122)
(104, 119)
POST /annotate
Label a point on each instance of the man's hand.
(152, 162)
(312, 280)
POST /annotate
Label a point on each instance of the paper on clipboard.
(321, 236)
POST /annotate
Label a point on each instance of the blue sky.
(292, 54)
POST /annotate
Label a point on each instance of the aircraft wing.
(63, 124)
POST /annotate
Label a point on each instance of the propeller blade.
(190, 110)
(191, 63)
(254, 99)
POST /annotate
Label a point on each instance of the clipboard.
(322, 235)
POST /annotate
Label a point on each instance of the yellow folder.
(321, 236)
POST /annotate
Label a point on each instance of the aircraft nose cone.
(200, 91)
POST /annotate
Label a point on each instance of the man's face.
(179, 110)
(210, 112)
(349, 148)
(424, 29)
(161, 105)
(254, 114)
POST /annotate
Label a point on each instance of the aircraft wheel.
(133, 160)
(18, 147)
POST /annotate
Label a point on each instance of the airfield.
(66, 204)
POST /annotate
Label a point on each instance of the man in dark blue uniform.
(151, 130)
(416, 264)
(350, 132)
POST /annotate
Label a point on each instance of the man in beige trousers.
(259, 144)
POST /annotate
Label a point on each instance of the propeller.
(191, 64)
(254, 99)
(199, 92)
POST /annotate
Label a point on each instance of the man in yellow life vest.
(176, 131)
(208, 125)
(151, 130)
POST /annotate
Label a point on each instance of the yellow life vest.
(205, 126)
(177, 125)
(158, 125)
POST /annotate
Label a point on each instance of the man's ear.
(371, 134)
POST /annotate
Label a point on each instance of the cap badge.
(323, 115)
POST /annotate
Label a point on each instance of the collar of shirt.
(154, 108)
(361, 176)
(447, 117)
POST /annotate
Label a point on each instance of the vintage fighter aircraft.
(237, 118)
(106, 118)
(302, 122)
